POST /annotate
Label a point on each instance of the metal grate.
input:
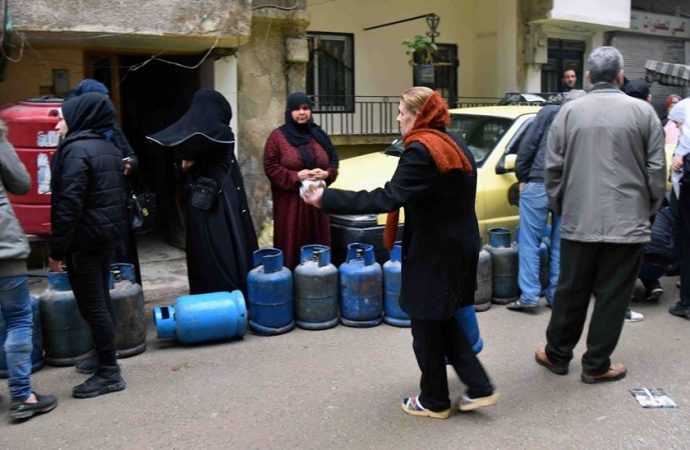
(370, 115)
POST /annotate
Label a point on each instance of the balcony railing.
(370, 115)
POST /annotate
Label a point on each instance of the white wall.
(609, 13)
(486, 41)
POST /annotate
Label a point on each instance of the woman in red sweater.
(297, 151)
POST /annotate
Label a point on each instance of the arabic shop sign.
(660, 25)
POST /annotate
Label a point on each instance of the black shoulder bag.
(205, 191)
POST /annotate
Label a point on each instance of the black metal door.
(563, 54)
(444, 75)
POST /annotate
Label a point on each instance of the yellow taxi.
(493, 134)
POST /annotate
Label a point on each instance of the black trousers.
(89, 274)
(432, 342)
(606, 270)
(684, 238)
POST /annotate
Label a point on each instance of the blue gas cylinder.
(269, 289)
(316, 289)
(66, 335)
(504, 266)
(37, 341)
(127, 299)
(467, 320)
(202, 318)
(392, 313)
(361, 299)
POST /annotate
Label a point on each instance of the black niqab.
(299, 135)
(206, 120)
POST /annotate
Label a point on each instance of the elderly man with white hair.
(605, 174)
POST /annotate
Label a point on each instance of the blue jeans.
(534, 216)
(15, 304)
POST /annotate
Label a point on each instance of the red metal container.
(31, 126)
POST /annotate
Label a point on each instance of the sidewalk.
(342, 387)
(163, 272)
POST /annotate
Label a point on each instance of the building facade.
(153, 56)
(348, 54)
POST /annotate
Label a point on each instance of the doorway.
(149, 96)
(563, 54)
(442, 75)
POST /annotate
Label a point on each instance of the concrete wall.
(265, 79)
(578, 20)
(486, 41)
(610, 13)
(230, 19)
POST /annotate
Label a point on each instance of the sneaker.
(616, 372)
(87, 366)
(654, 292)
(411, 405)
(680, 310)
(24, 410)
(466, 403)
(542, 359)
(633, 316)
(521, 305)
(106, 380)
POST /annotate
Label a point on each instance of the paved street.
(341, 388)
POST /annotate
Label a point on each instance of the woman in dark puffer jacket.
(88, 220)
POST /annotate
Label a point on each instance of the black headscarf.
(206, 121)
(88, 113)
(88, 85)
(299, 135)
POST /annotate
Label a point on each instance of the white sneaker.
(466, 403)
(633, 316)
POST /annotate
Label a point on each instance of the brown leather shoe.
(617, 371)
(542, 359)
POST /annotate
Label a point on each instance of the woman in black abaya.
(219, 240)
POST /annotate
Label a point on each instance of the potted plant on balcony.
(422, 51)
(420, 45)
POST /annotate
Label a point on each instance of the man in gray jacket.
(605, 174)
(14, 291)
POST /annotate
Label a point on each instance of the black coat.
(441, 238)
(88, 187)
(220, 241)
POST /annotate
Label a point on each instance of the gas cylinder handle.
(270, 258)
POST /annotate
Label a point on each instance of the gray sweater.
(14, 247)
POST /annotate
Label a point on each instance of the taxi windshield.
(480, 133)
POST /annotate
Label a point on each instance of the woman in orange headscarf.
(435, 181)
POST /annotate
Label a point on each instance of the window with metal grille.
(330, 73)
